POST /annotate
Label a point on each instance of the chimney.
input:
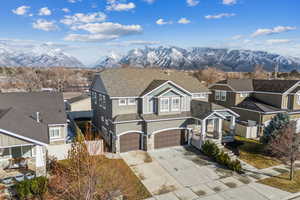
(38, 117)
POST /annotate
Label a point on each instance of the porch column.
(232, 125)
(220, 128)
(203, 130)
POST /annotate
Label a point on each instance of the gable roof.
(258, 85)
(18, 114)
(256, 105)
(129, 82)
(24, 127)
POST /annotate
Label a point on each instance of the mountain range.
(199, 58)
(38, 56)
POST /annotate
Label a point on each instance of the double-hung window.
(217, 95)
(104, 101)
(223, 95)
(54, 132)
(298, 98)
(131, 101)
(175, 104)
(164, 105)
(122, 102)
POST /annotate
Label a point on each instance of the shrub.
(36, 187)
(211, 149)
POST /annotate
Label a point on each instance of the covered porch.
(21, 162)
(210, 127)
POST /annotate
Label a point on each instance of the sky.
(92, 29)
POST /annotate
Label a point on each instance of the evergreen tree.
(272, 130)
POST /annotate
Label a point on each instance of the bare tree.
(260, 73)
(210, 75)
(286, 146)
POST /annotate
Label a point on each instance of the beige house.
(29, 122)
(82, 102)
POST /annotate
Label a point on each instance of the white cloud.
(66, 10)
(192, 2)
(275, 30)
(219, 16)
(110, 28)
(114, 5)
(73, 1)
(103, 31)
(89, 37)
(237, 37)
(80, 18)
(229, 2)
(278, 41)
(44, 25)
(183, 20)
(133, 43)
(22, 10)
(45, 11)
(149, 1)
(163, 22)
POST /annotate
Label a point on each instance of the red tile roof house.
(258, 100)
(147, 109)
(29, 122)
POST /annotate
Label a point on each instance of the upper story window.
(200, 96)
(244, 94)
(100, 100)
(54, 132)
(104, 101)
(220, 95)
(131, 101)
(298, 98)
(164, 105)
(122, 102)
(175, 106)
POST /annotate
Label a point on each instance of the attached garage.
(169, 138)
(130, 142)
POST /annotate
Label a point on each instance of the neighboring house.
(28, 123)
(150, 108)
(78, 103)
(258, 100)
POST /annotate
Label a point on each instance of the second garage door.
(170, 138)
(130, 142)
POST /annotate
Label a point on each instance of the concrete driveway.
(180, 173)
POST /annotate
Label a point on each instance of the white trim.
(58, 139)
(170, 89)
(167, 129)
(133, 131)
(218, 114)
(55, 137)
(168, 119)
(221, 85)
(3, 147)
(130, 121)
(51, 125)
(22, 137)
(228, 110)
(172, 103)
(291, 88)
(171, 82)
(135, 97)
(160, 104)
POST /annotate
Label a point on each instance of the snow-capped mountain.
(39, 56)
(199, 58)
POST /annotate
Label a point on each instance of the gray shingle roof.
(18, 113)
(256, 105)
(136, 81)
(277, 86)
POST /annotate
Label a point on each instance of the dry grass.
(282, 182)
(116, 175)
(165, 189)
(253, 152)
(147, 158)
(244, 180)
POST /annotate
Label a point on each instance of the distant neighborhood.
(166, 124)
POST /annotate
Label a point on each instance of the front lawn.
(282, 182)
(253, 153)
(114, 174)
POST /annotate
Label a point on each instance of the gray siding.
(160, 125)
(6, 141)
(124, 127)
(271, 99)
(119, 110)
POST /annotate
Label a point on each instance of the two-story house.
(150, 108)
(29, 122)
(258, 100)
